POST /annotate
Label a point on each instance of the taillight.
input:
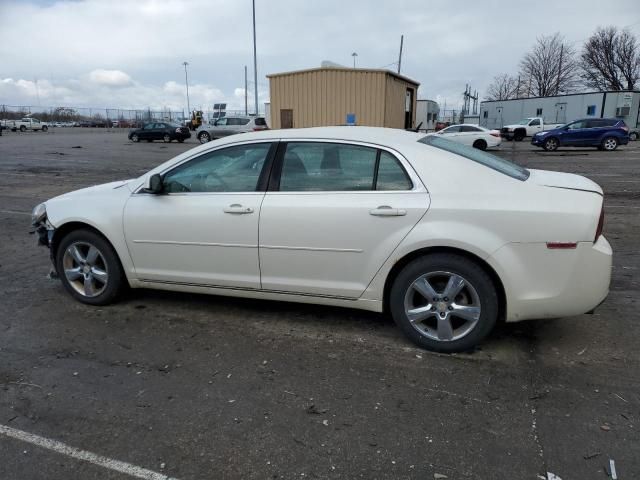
(626, 129)
(600, 224)
(494, 134)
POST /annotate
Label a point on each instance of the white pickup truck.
(27, 123)
(526, 128)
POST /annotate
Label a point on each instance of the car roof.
(375, 135)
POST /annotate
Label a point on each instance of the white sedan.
(472, 135)
(446, 238)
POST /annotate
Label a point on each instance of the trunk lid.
(568, 181)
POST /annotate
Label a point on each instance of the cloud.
(110, 78)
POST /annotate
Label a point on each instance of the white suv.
(230, 126)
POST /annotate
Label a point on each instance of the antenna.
(400, 55)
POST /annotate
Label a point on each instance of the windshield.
(487, 159)
(524, 122)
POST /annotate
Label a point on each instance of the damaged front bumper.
(44, 231)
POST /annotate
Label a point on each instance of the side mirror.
(155, 185)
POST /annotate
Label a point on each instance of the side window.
(591, 110)
(454, 129)
(534, 123)
(222, 122)
(149, 126)
(391, 174)
(577, 125)
(316, 166)
(233, 169)
(161, 125)
(468, 128)
(242, 121)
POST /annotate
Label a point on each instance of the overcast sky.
(129, 53)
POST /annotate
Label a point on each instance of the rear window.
(488, 160)
(260, 121)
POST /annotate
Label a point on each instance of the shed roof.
(346, 69)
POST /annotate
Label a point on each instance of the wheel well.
(520, 130)
(400, 264)
(67, 228)
(480, 141)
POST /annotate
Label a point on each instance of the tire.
(45, 128)
(95, 281)
(166, 138)
(550, 144)
(480, 144)
(633, 136)
(609, 144)
(135, 138)
(181, 140)
(204, 137)
(518, 136)
(149, 140)
(23, 128)
(477, 298)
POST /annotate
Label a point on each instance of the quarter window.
(391, 175)
(233, 169)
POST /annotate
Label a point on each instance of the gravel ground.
(201, 387)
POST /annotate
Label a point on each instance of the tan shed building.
(342, 96)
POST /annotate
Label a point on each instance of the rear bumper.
(549, 283)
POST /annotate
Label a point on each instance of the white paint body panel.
(468, 138)
(325, 248)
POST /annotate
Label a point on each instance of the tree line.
(608, 60)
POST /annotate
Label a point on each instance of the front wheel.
(633, 136)
(135, 138)
(204, 137)
(550, 144)
(444, 302)
(45, 128)
(23, 128)
(166, 138)
(89, 268)
(610, 144)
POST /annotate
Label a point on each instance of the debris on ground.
(552, 476)
(611, 470)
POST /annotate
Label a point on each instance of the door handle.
(387, 211)
(238, 209)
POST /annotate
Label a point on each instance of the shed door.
(408, 109)
(286, 118)
(561, 112)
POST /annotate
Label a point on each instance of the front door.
(204, 229)
(333, 214)
(576, 134)
(286, 118)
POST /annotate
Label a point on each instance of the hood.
(567, 181)
(96, 189)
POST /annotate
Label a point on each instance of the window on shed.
(591, 110)
(485, 114)
(538, 112)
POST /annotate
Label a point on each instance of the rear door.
(468, 134)
(333, 214)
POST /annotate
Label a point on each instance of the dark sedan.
(603, 133)
(164, 131)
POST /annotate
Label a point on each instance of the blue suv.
(603, 133)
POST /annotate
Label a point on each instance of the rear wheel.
(23, 128)
(45, 128)
(480, 144)
(166, 138)
(444, 302)
(610, 144)
(633, 136)
(550, 144)
(204, 137)
(89, 268)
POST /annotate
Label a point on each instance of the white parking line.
(105, 462)
(14, 212)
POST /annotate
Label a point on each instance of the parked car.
(446, 238)
(164, 131)
(230, 126)
(472, 135)
(24, 124)
(634, 133)
(603, 133)
(527, 128)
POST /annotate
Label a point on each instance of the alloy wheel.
(610, 144)
(442, 306)
(85, 269)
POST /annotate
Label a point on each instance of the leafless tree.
(503, 87)
(550, 68)
(610, 60)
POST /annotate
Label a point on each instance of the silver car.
(230, 126)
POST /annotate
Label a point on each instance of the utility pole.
(559, 70)
(246, 105)
(255, 58)
(400, 55)
(186, 82)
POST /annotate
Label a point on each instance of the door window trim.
(276, 169)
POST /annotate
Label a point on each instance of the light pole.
(354, 55)
(255, 58)
(186, 82)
